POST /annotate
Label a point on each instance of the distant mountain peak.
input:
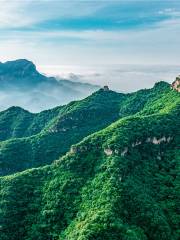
(23, 85)
(19, 74)
(20, 65)
(20, 62)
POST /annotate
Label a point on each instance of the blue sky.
(90, 32)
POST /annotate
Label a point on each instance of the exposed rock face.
(79, 149)
(176, 84)
(73, 149)
(156, 141)
(153, 140)
(124, 151)
(136, 143)
(108, 151)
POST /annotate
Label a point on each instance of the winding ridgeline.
(105, 167)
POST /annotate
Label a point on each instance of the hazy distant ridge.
(22, 85)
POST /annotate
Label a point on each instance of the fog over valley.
(121, 78)
(22, 85)
(47, 86)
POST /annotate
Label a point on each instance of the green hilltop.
(32, 140)
(116, 176)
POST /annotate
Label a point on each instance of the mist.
(23, 86)
(42, 98)
(36, 92)
(121, 78)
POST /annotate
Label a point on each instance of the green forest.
(102, 168)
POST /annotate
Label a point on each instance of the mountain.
(22, 85)
(119, 182)
(32, 140)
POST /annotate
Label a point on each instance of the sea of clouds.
(121, 78)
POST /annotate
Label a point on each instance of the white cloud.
(13, 14)
(170, 12)
(23, 13)
(122, 78)
(157, 45)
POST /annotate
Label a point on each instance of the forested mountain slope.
(37, 139)
(118, 183)
(16, 122)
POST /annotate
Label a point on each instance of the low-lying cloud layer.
(21, 84)
(43, 97)
(122, 78)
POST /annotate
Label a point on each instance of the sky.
(90, 33)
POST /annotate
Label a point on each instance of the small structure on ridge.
(106, 88)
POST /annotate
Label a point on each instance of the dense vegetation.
(32, 140)
(118, 183)
(16, 122)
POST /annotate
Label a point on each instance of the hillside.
(22, 85)
(50, 134)
(16, 122)
(118, 183)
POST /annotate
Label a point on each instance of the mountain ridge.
(71, 123)
(118, 183)
(21, 84)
